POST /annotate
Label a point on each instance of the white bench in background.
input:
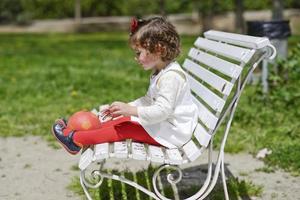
(218, 68)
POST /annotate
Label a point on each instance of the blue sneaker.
(62, 122)
(65, 141)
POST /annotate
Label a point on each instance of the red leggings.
(112, 131)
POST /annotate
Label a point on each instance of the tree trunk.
(162, 7)
(206, 19)
(239, 16)
(277, 12)
(77, 11)
(205, 11)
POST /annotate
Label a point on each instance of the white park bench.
(218, 68)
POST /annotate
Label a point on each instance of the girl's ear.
(161, 50)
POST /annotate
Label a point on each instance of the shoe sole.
(66, 148)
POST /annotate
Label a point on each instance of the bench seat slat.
(86, 159)
(209, 119)
(138, 151)
(229, 51)
(209, 77)
(156, 154)
(238, 39)
(213, 100)
(223, 66)
(120, 149)
(101, 151)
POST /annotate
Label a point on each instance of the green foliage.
(266, 169)
(285, 80)
(22, 11)
(286, 156)
(14, 11)
(49, 8)
(257, 5)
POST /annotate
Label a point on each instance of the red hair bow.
(133, 26)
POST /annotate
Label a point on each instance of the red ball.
(83, 120)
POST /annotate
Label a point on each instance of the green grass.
(46, 76)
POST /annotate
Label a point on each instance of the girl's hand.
(118, 108)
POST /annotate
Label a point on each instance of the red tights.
(112, 131)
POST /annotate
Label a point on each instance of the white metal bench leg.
(97, 173)
(208, 177)
(170, 179)
(87, 194)
(224, 179)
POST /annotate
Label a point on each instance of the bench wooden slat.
(237, 39)
(101, 151)
(209, 77)
(191, 150)
(86, 159)
(209, 119)
(213, 100)
(229, 51)
(138, 151)
(202, 136)
(174, 156)
(156, 154)
(120, 149)
(230, 69)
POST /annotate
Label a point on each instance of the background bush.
(22, 10)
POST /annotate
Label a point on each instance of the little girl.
(165, 116)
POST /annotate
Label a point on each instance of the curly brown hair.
(156, 35)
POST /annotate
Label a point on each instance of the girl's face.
(146, 59)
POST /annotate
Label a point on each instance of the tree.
(277, 11)
(77, 11)
(239, 16)
(205, 11)
(162, 7)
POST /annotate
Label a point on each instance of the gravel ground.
(31, 170)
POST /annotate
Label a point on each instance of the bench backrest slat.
(230, 69)
(213, 66)
(205, 115)
(210, 98)
(174, 156)
(237, 39)
(191, 150)
(202, 136)
(220, 84)
(229, 51)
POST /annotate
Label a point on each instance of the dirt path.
(31, 170)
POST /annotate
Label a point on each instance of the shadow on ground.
(192, 180)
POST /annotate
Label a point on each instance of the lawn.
(46, 76)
